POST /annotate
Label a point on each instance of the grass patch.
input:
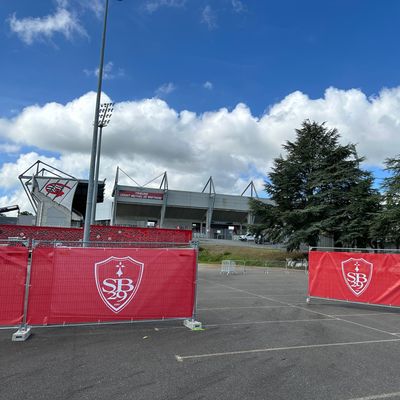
(251, 256)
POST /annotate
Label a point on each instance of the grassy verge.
(214, 254)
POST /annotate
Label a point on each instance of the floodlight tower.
(105, 113)
(89, 199)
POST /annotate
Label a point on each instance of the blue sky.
(228, 78)
(256, 53)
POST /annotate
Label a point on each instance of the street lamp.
(89, 199)
(105, 113)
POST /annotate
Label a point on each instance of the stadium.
(59, 200)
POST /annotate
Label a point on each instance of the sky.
(201, 87)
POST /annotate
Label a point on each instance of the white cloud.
(165, 89)
(108, 72)
(209, 17)
(38, 28)
(208, 85)
(96, 6)
(148, 137)
(9, 148)
(152, 6)
(238, 6)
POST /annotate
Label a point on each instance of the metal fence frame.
(350, 250)
(24, 330)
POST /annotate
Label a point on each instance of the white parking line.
(363, 314)
(284, 321)
(238, 308)
(378, 396)
(308, 310)
(271, 349)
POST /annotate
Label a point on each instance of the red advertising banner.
(13, 265)
(358, 277)
(78, 285)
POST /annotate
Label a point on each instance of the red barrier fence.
(13, 266)
(356, 277)
(86, 285)
(98, 233)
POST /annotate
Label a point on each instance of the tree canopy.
(386, 225)
(318, 188)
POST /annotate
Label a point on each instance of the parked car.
(248, 237)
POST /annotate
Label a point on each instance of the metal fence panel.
(13, 267)
(370, 278)
(95, 285)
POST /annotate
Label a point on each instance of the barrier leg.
(193, 325)
(22, 334)
(24, 330)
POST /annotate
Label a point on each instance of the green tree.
(318, 189)
(386, 225)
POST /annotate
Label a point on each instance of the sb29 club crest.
(357, 274)
(118, 280)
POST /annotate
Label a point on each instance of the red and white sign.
(141, 195)
(359, 277)
(78, 285)
(357, 274)
(59, 190)
(117, 281)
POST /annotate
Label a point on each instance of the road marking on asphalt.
(201, 298)
(287, 321)
(364, 314)
(238, 308)
(378, 396)
(308, 310)
(181, 358)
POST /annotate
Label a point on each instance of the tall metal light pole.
(89, 199)
(106, 110)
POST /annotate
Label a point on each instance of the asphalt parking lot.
(261, 341)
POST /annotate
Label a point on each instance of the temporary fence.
(64, 284)
(13, 267)
(355, 275)
(98, 233)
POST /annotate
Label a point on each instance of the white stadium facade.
(59, 199)
(207, 213)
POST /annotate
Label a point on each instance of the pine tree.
(318, 189)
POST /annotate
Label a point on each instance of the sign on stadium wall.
(141, 195)
(61, 191)
(357, 277)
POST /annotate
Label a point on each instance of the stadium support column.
(210, 208)
(209, 216)
(163, 209)
(164, 185)
(250, 218)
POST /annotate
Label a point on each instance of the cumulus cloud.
(62, 21)
(234, 146)
(209, 18)
(108, 71)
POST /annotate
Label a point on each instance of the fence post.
(192, 324)
(24, 330)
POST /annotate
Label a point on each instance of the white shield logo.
(117, 280)
(357, 274)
